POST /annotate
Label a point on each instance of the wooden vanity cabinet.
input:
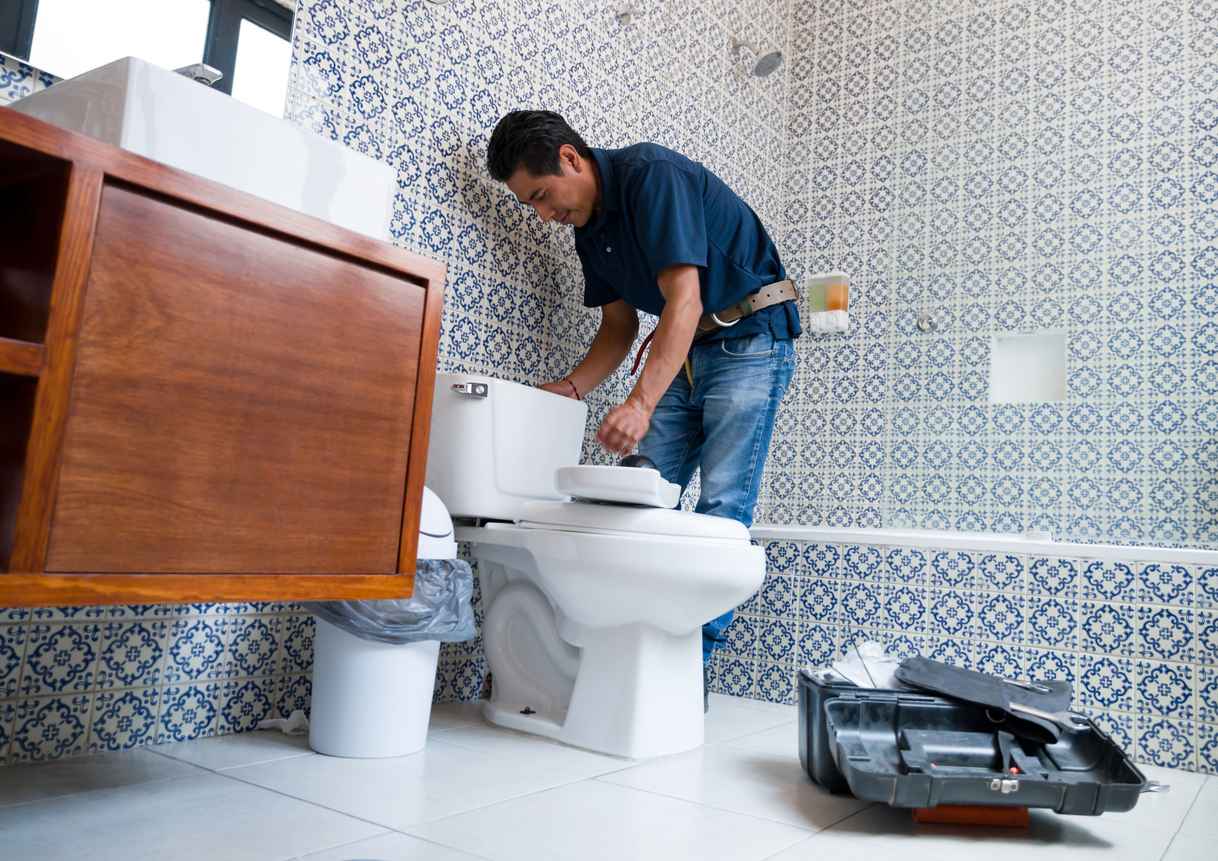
(203, 396)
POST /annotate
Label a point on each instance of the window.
(261, 75)
(247, 40)
(71, 37)
(231, 21)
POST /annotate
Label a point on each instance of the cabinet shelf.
(20, 357)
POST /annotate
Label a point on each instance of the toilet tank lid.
(631, 485)
(607, 518)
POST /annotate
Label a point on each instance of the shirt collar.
(604, 169)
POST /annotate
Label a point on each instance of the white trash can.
(374, 699)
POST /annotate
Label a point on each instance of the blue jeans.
(722, 425)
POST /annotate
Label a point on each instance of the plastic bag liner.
(441, 608)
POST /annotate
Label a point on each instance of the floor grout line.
(1184, 818)
(718, 809)
(221, 770)
(750, 734)
(84, 792)
(401, 833)
(391, 827)
(604, 778)
(386, 829)
(298, 798)
(72, 794)
(529, 794)
(816, 834)
(851, 815)
(598, 777)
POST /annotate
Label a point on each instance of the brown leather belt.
(770, 294)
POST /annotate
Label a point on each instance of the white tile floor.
(479, 792)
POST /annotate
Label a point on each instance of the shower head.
(626, 16)
(768, 63)
(758, 65)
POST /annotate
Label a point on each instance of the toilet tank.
(496, 445)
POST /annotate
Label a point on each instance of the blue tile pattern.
(421, 86)
(1006, 167)
(1002, 166)
(1145, 666)
(19, 79)
(79, 680)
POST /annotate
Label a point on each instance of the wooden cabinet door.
(241, 402)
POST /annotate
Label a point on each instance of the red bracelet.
(573, 389)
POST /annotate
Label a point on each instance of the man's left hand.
(625, 425)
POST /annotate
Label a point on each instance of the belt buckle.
(715, 316)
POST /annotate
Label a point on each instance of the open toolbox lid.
(912, 749)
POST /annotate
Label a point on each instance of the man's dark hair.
(531, 139)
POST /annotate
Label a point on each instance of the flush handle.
(472, 390)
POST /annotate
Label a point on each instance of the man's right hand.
(559, 387)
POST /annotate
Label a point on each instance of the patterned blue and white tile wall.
(1006, 167)
(82, 680)
(1137, 640)
(19, 79)
(871, 151)
(419, 86)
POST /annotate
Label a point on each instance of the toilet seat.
(606, 518)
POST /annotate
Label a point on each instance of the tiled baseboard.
(83, 680)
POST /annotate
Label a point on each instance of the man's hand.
(560, 387)
(619, 325)
(625, 425)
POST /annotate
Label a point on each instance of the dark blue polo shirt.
(659, 209)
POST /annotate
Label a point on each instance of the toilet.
(595, 589)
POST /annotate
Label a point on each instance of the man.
(660, 233)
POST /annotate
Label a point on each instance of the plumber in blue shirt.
(660, 233)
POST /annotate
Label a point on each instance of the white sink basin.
(172, 119)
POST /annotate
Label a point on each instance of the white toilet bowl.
(594, 611)
(593, 637)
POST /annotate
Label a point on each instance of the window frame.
(17, 19)
(224, 28)
(17, 27)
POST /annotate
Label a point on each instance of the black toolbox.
(912, 749)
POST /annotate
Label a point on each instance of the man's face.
(568, 198)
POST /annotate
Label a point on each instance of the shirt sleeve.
(597, 291)
(669, 217)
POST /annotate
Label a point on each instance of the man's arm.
(626, 424)
(619, 326)
(674, 333)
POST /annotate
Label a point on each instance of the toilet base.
(513, 716)
(638, 694)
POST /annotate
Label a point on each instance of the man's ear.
(569, 156)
